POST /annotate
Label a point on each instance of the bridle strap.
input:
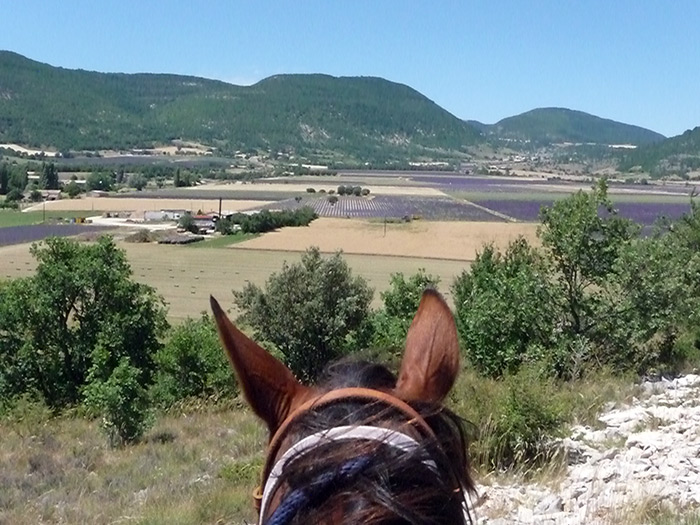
(341, 394)
(387, 436)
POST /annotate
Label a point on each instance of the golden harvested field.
(439, 240)
(186, 276)
(141, 205)
(318, 185)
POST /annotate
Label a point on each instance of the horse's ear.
(268, 386)
(431, 360)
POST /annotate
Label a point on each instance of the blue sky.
(633, 61)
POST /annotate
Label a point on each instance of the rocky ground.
(645, 454)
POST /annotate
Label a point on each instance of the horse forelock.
(397, 487)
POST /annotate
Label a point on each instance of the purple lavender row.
(31, 233)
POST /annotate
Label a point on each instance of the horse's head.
(362, 446)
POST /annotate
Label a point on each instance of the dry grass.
(141, 205)
(186, 276)
(199, 467)
(440, 240)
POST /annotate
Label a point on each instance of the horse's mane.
(398, 487)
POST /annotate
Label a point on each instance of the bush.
(266, 220)
(517, 419)
(73, 189)
(332, 199)
(35, 195)
(390, 325)
(504, 306)
(186, 222)
(313, 312)
(14, 195)
(310, 190)
(123, 404)
(137, 181)
(74, 320)
(192, 364)
(9, 205)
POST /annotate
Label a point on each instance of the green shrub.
(516, 418)
(24, 413)
(504, 308)
(192, 364)
(123, 404)
(313, 312)
(390, 324)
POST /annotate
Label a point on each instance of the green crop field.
(17, 218)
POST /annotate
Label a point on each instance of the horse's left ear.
(431, 360)
(269, 387)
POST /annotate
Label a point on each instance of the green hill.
(676, 154)
(557, 125)
(46, 106)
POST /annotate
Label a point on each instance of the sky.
(637, 62)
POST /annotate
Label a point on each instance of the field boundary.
(495, 213)
(364, 254)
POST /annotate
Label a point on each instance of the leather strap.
(341, 394)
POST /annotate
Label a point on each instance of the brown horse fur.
(398, 488)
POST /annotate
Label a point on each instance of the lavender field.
(391, 207)
(644, 213)
(37, 232)
(481, 184)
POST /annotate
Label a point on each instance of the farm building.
(163, 215)
(205, 222)
(51, 195)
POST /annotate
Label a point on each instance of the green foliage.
(49, 176)
(390, 324)
(582, 237)
(595, 295)
(79, 313)
(14, 195)
(4, 178)
(187, 223)
(123, 403)
(192, 364)
(525, 422)
(504, 307)
(73, 189)
(360, 117)
(674, 155)
(184, 179)
(35, 195)
(552, 125)
(651, 299)
(266, 220)
(99, 181)
(516, 418)
(312, 312)
(137, 181)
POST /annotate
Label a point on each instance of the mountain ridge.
(549, 125)
(361, 118)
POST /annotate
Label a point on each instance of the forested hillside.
(46, 106)
(680, 154)
(553, 125)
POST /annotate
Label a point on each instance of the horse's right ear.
(268, 386)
